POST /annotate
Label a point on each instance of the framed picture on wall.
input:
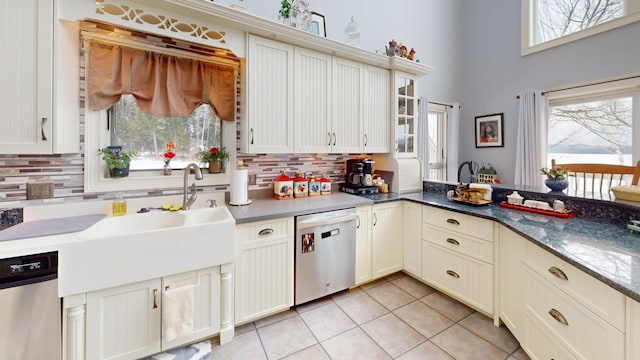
(317, 24)
(490, 130)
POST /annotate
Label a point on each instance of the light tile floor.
(396, 317)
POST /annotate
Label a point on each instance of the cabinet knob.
(267, 231)
(558, 273)
(453, 221)
(453, 274)
(557, 316)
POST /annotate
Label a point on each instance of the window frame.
(441, 112)
(627, 86)
(527, 14)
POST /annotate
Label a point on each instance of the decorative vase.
(215, 167)
(116, 173)
(556, 184)
(166, 169)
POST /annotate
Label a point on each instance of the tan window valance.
(163, 85)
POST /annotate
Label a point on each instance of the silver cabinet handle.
(375, 219)
(453, 221)
(558, 273)
(329, 136)
(453, 274)
(453, 241)
(557, 316)
(155, 295)
(267, 231)
(44, 136)
(251, 132)
(334, 139)
(397, 146)
(357, 221)
(366, 140)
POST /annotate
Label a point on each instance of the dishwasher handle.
(325, 219)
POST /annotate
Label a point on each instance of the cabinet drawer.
(468, 279)
(606, 302)
(479, 249)
(464, 224)
(264, 231)
(582, 332)
(539, 344)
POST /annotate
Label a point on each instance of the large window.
(548, 23)
(147, 134)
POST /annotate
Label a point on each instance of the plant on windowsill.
(215, 157)
(117, 160)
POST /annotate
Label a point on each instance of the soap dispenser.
(119, 206)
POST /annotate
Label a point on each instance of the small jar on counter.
(325, 185)
(314, 186)
(283, 187)
(300, 185)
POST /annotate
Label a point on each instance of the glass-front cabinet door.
(406, 115)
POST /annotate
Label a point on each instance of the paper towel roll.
(239, 179)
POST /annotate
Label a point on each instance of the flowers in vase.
(170, 152)
(555, 172)
(213, 154)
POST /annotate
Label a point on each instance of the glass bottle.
(352, 33)
(119, 205)
(300, 15)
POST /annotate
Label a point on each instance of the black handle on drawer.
(453, 241)
(453, 274)
(267, 231)
(558, 273)
(155, 294)
(557, 316)
(453, 221)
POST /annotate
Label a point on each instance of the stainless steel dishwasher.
(30, 310)
(325, 254)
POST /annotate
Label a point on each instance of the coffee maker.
(359, 177)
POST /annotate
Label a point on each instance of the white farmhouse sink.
(126, 249)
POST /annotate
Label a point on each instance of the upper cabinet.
(306, 101)
(406, 121)
(268, 127)
(39, 104)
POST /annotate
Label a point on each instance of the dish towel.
(177, 312)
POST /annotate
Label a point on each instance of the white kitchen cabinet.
(457, 256)
(313, 132)
(511, 255)
(126, 322)
(263, 268)
(31, 122)
(412, 217)
(363, 244)
(633, 329)
(377, 110)
(268, 127)
(347, 106)
(387, 239)
(406, 115)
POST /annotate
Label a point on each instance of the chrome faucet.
(186, 203)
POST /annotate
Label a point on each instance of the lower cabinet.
(633, 329)
(263, 268)
(412, 217)
(511, 255)
(363, 244)
(387, 239)
(148, 317)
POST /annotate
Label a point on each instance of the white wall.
(493, 71)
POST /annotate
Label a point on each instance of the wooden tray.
(564, 214)
(479, 203)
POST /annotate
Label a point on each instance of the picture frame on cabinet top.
(317, 25)
(490, 130)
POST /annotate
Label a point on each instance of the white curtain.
(423, 135)
(531, 138)
(453, 141)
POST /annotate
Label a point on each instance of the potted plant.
(117, 160)
(556, 178)
(215, 157)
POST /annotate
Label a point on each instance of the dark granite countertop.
(608, 252)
